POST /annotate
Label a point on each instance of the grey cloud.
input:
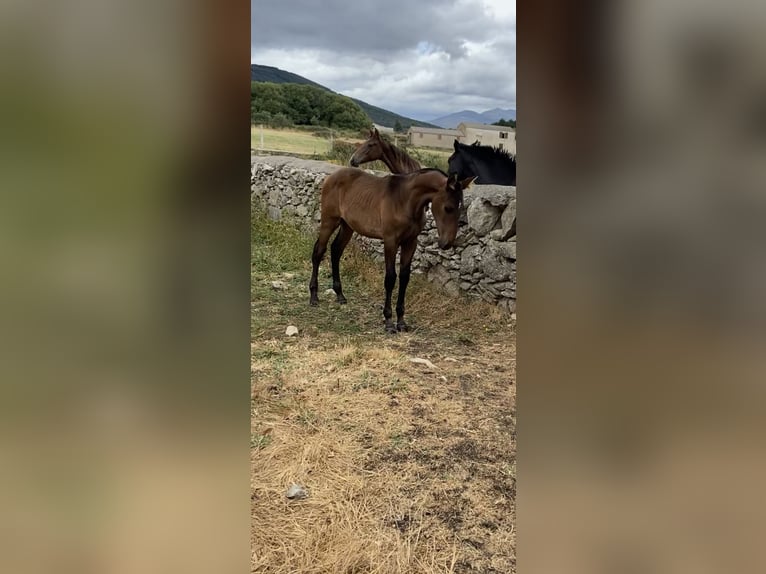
(368, 28)
(368, 51)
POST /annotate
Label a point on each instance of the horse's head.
(458, 162)
(445, 207)
(370, 150)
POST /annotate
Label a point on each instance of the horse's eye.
(449, 209)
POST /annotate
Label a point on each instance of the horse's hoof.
(391, 330)
(342, 300)
(314, 302)
(402, 327)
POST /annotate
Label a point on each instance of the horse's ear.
(456, 144)
(375, 132)
(467, 181)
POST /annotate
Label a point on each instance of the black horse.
(490, 165)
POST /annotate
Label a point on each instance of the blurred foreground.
(642, 288)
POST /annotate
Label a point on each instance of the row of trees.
(506, 123)
(282, 105)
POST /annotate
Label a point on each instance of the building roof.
(486, 127)
(436, 131)
(384, 129)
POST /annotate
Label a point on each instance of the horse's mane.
(487, 152)
(403, 159)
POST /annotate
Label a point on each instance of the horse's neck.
(398, 161)
(418, 199)
(493, 171)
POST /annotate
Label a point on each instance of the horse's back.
(355, 196)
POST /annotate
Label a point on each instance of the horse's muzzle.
(352, 163)
(445, 244)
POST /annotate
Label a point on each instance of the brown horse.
(390, 208)
(375, 147)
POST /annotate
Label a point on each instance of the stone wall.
(482, 262)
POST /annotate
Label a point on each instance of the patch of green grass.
(260, 441)
(465, 339)
(396, 385)
(398, 439)
(306, 416)
(281, 252)
(366, 381)
(275, 246)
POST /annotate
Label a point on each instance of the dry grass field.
(410, 468)
(295, 141)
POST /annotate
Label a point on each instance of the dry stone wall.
(481, 264)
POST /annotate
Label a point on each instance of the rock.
(288, 276)
(452, 288)
(302, 211)
(291, 330)
(468, 259)
(439, 275)
(482, 217)
(497, 195)
(507, 219)
(496, 263)
(425, 362)
(505, 248)
(274, 213)
(488, 297)
(330, 292)
(296, 492)
(278, 285)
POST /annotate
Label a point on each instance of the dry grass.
(288, 140)
(409, 469)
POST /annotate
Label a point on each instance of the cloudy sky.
(418, 58)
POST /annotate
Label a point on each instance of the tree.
(506, 123)
(398, 127)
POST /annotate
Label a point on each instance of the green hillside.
(389, 119)
(275, 75)
(377, 115)
(285, 104)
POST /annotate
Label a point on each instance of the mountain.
(451, 121)
(270, 74)
(377, 115)
(385, 118)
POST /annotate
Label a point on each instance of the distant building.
(383, 129)
(432, 137)
(467, 133)
(495, 136)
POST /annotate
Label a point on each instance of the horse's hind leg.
(389, 251)
(336, 252)
(320, 247)
(405, 264)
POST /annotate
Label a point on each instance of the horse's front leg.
(389, 251)
(408, 250)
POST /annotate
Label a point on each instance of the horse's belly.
(364, 224)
